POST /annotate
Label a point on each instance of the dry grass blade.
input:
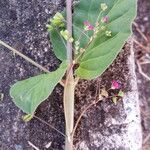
(146, 139)
(81, 115)
(49, 125)
(26, 58)
(144, 63)
(141, 45)
(140, 32)
(23, 56)
(33, 146)
(141, 71)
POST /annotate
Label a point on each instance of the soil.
(22, 25)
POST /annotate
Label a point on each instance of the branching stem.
(69, 87)
(69, 28)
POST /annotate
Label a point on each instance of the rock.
(104, 126)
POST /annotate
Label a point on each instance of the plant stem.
(69, 87)
(69, 109)
(69, 28)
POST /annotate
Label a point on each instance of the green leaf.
(59, 44)
(29, 93)
(121, 93)
(114, 99)
(84, 10)
(104, 93)
(88, 10)
(27, 118)
(103, 50)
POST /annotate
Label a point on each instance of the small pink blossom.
(105, 19)
(91, 27)
(86, 23)
(88, 26)
(115, 85)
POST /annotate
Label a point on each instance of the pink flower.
(115, 85)
(86, 23)
(105, 19)
(91, 27)
(88, 26)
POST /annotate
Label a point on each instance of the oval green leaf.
(59, 44)
(103, 50)
(29, 93)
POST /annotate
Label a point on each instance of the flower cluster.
(115, 85)
(103, 6)
(105, 19)
(88, 26)
(56, 21)
(65, 34)
(77, 45)
(108, 33)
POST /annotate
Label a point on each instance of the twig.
(146, 147)
(142, 46)
(32, 145)
(1, 97)
(49, 125)
(88, 107)
(26, 58)
(23, 56)
(82, 113)
(144, 63)
(144, 114)
(146, 139)
(141, 72)
(140, 32)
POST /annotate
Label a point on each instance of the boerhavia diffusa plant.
(89, 39)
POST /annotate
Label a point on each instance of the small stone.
(46, 10)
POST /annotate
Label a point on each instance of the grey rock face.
(104, 126)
